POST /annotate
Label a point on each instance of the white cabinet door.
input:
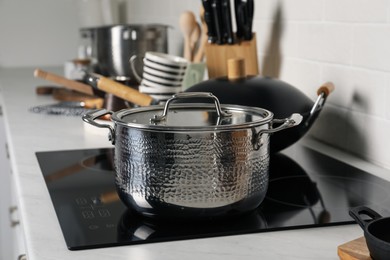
(11, 237)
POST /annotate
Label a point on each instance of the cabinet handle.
(13, 222)
(1, 110)
(7, 150)
(22, 257)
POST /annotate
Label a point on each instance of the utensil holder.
(218, 55)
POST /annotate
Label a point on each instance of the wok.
(274, 95)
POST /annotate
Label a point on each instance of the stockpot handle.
(183, 95)
(294, 120)
(90, 117)
(133, 68)
(356, 213)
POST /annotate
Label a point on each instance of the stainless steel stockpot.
(192, 160)
(112, 46)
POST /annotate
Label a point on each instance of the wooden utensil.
(120, 90)
(194, 39)
(198, 57)
(187, 24)
(102, 83)
(70, 84)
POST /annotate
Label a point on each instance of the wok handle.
(91, 116)
(356, 213)
(323, 92)
(326, 89)
(294, 120)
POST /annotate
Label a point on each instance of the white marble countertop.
(28, 133)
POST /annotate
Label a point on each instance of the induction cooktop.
(306, 189)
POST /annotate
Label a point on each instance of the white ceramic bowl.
(166, 59)
(162, 81)
(163, 74)
(158, 90)
(152, 84)
(164, 68)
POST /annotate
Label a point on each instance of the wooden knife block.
(218, 55)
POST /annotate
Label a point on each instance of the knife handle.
(240, 19)
(208, 18)
(249, 9)
(216, 13)
(227, 20)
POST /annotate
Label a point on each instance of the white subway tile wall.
(303, 42)
(343, 41)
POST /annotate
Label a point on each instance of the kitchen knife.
(244, 10)
(249, 9)
(217, 19)
(239, 19)
(208, 18)
(227, 22)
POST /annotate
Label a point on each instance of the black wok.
(274, 95)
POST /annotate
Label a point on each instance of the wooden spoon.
(194, 39)
(187, 25)
(198, 57)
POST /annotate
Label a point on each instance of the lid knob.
(236, 69)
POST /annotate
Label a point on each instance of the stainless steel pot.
(192, 160)
(112, 46)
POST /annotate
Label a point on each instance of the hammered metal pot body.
(196, 174)
(192, 160)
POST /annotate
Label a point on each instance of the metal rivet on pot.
(258, 143)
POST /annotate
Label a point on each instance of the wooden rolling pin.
(70, 84)
(120, 90)
(102, 83)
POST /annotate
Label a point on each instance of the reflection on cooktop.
(308, 191)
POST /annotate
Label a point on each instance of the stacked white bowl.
(162, 75)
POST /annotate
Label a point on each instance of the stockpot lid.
(192, 116)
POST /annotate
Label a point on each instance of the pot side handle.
(91, 116)
(357, 212)
(294, 120)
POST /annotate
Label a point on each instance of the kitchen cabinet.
(11, 238)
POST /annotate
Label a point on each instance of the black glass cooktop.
(306, 189)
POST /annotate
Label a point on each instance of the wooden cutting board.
(354, 250)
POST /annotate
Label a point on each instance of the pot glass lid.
(193, 116)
